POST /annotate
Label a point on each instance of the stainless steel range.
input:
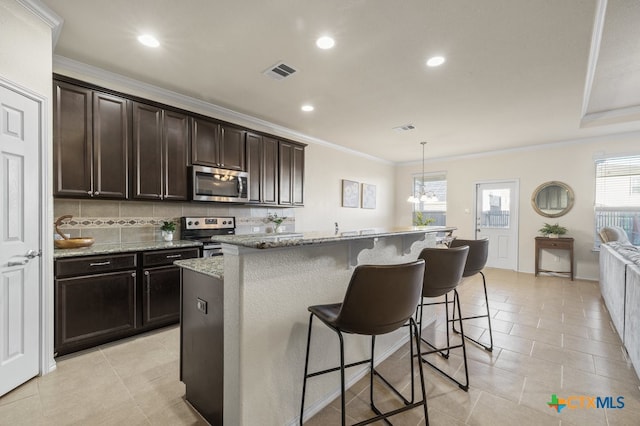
(203, 228)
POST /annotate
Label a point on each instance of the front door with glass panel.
(497, 219)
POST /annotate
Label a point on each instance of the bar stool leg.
(456, 301)
(306, 369)
(488, 316)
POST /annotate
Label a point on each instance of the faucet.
(337, 229)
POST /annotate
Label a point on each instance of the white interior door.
(497, 219)
(20, 127)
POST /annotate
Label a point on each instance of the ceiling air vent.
(404, 128)
(279, 71)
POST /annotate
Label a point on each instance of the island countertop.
(266, 241)
(212, 266)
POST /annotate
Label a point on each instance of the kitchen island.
(261, 317)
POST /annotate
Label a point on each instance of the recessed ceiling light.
(307, 108)
(325, 42)
(435, 61)
(148, 40)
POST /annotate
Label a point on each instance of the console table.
(554, 244)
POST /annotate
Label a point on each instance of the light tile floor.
(552, 336)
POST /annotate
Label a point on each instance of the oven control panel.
(209, 222)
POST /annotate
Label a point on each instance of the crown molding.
(48, 16)
(63, 64)
(594, 53)
(528, 148)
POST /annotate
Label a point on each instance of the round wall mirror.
(552, 199)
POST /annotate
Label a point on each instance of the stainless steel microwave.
(221, 185)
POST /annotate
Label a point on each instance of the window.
(432, 195)
(618, 196)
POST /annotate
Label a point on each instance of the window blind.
(617, 201)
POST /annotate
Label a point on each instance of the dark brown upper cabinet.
(160, 153)
(291, 174)
(262, 166)
(217, 145)
(90, 143)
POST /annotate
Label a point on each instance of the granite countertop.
(123, 248)
(265, 241)
(212, 266)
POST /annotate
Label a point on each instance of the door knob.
(32, 253)
(27, 257)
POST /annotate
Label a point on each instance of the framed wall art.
(368, 196)
(350, 193)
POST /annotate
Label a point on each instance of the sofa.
(620, 288)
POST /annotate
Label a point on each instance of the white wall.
(25, 48)
(571, 163)
(325, 168)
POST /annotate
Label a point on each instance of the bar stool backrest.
(380, 298)
(478, 254)
(443, 269)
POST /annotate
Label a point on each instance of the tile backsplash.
(136, 221)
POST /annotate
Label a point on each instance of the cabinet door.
(205, 136)
(232, 148)
(160, 295)
(176, 155)
(93, 309)
(111, 133)
(297, 186)
(72, 140)
(254, 166)
(269, 171)
(285, 176)
(147, 152)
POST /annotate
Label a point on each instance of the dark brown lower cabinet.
(92, 309)
(103, 298)
(161, 295)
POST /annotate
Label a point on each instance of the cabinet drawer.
(167, 257)
(555, 245)
(95, 264)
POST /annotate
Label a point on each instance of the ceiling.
(517, 73)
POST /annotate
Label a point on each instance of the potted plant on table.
(168, 228)
(552, 231)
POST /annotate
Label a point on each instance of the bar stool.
(442, 274)
(379, 299)
(476, 261)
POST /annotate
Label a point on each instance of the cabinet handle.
(133, 274)
(173, 256)
(146, 273)
(96, 193)
(89, 193)
(108, 262)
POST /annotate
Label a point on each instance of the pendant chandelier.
(422, 196)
